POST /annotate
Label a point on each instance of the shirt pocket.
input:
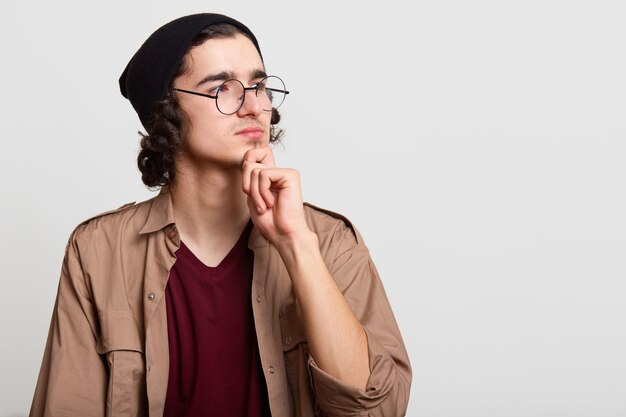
(296, 355)
(123, 348)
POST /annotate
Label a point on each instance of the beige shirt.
(107, 349)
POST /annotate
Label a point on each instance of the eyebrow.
(228, 75)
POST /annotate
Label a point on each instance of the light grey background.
(479, 146)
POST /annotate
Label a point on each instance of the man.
(225, 295)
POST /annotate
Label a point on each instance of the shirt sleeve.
(73, 376)
(387, 390)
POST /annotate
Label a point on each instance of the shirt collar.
(161, 215)
(161, 212)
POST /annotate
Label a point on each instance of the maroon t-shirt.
(215, 368)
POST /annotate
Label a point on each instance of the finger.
(258, 201)
(262, 155)
(247, 168)
(281, 178)
(264, 188)
(282, 181)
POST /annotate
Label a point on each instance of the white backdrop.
(479, 146)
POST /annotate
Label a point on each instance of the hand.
(274, 197)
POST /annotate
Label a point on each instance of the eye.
(260, 86)
(222, 88)
(215, 90)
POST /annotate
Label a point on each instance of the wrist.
(294, 248)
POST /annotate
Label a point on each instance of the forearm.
(337, 341)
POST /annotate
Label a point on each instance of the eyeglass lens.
(231, 95)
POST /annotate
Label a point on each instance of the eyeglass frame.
(245, 89)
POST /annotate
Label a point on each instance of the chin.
(258, 143)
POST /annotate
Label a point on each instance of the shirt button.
(258, 298)
(172, 233)
(288, 340)
(272, 370)
(151, 296)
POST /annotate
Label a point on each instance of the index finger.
(262, 155)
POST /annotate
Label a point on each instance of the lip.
(252, 132)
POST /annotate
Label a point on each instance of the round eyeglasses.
(230, 95)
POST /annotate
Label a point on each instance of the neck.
(209, 206)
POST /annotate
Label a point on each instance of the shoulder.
(129, 217)
(325, 220)
(330, 225)
(108, 213)
(341, 244)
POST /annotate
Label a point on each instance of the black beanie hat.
(151, 70)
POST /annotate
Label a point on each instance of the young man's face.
(211, 137)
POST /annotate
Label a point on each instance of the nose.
(251, 105)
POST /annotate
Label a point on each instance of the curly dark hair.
(163, 139)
